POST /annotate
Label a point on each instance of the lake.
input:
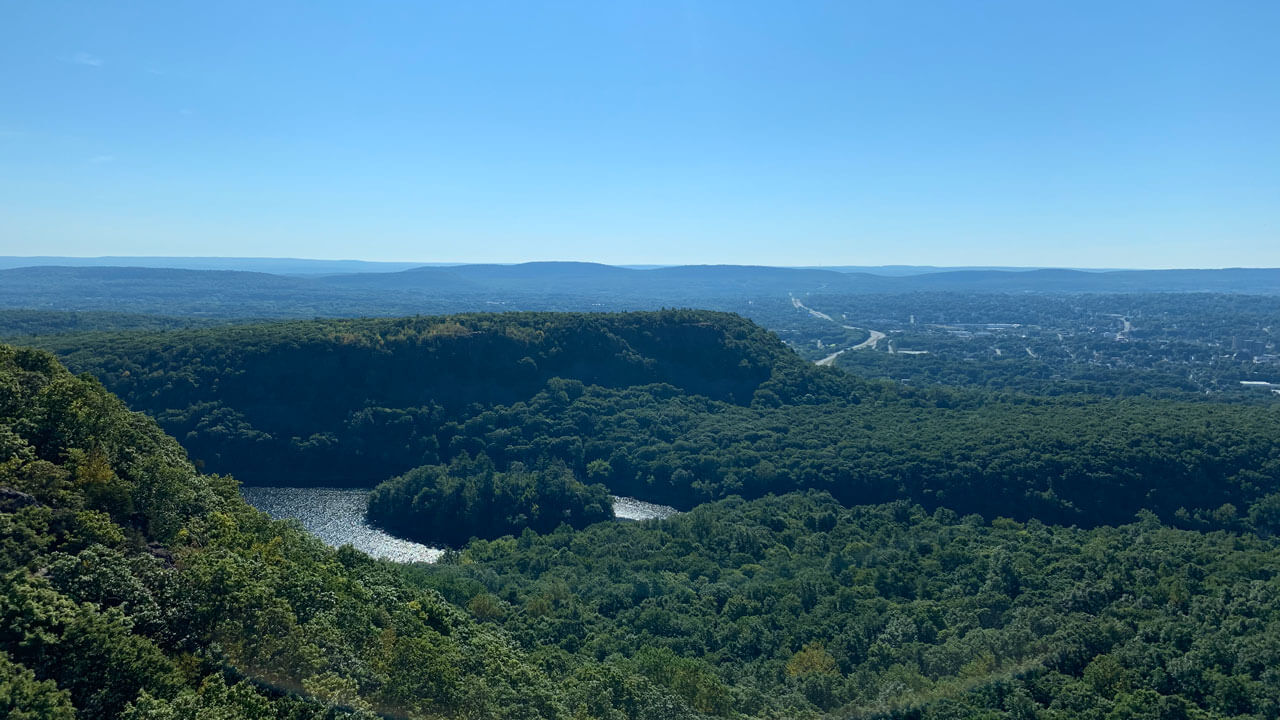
(336, 517)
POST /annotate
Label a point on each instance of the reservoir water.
(336, 517)
(626, 508)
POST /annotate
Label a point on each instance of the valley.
(639, 361)
(814, 542)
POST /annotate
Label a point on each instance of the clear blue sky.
(1088, 134)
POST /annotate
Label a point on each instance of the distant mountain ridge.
(284, 266)
(546, 286)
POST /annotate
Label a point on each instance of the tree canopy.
(852, 547)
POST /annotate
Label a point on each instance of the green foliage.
(342, 401)
(213, 700)
(855, 580)
(469, 498)
(131, 586)
(23, 697)
(1264, 515)
(794, 606)
(678, 407)
(1082, 461)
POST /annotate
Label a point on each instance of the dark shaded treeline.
(1088, 462)
(449, 505)
(678, 407)
(353, 402)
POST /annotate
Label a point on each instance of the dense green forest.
(1086, 462)
(470, 498)
(356, 401)
(678, 407)
(796, 606)
(131, 586)
(847, 556)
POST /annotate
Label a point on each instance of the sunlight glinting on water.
(337, 517)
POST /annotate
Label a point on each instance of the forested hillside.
(796, 606)
(1073, 462)
(484, 455)
(135, 587)
(131, 586)
(353, 402)
(678, 407)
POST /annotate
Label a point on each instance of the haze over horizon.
(179, 261)
(196, 260)
(1087, 135)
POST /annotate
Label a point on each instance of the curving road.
(875, 336)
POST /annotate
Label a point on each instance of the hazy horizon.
(7, 261)
(1088, 134)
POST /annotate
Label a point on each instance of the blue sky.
(1086, 134)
